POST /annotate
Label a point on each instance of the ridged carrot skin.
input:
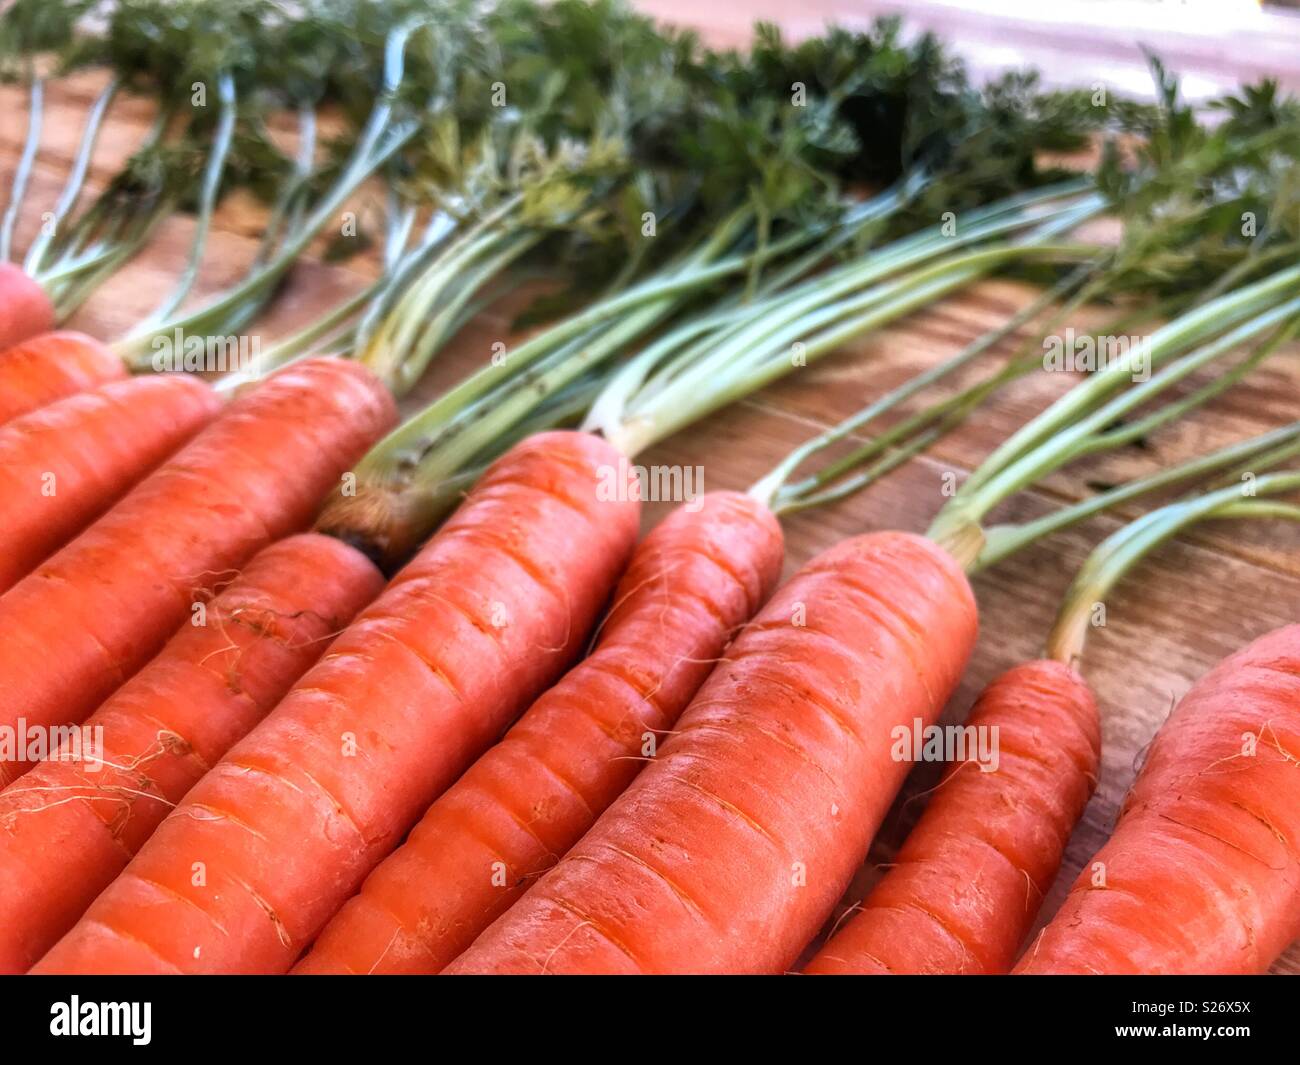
(92, 614)
(25, 309)
(727, 853)
(50, 367)
(67, 828)
(62, 466)
(1202, 872)
(691, 584)
(289, 823)
(968, 881)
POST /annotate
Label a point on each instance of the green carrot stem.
(457, 307)
(208, 190)
(379, 140)
(23, 172)
(74, 290)
(1217, 315)
(694, 273)
(1122, 550)
(403, 346)
(75, 181)
(287, 207)
(703, 332)
(775, 489)
(1057, 435)
(1268, 449)
(1129, 432)
(770, 354)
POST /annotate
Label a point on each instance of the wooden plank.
(1195, 602)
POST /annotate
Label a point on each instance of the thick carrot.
(288, 824)
(1202, 873)
(25, 309)
(695, 579)
(62, 466)
(51, 366)
(90, 616)
(67, 828)
(969, 880)
(728, 852)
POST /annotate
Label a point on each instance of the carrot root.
(50, 367)
(68, 827)
(62, 466)
(289, 823)
(968, 882)
(1202, 872)
(91, 615)
(727, 853)
(690, 585)
(25, 309)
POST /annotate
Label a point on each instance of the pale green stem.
(1217, 315)
(76, 180)
(23, 173)
(1121, 551)
(1269, 449)
(211, 185)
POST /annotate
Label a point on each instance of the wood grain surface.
(1194, 602)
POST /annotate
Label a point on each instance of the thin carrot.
(771, 784)
(1202, 873)
(289, 823)
(89, 617)
(695, 579)
(69, 826)
(62, 466)
(25, 309)
(968, 882)
(51, 366)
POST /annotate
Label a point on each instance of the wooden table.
(1194, 602)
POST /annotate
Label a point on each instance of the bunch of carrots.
(302, 675)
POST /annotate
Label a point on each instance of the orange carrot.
(728, 851)
(51, 366)
(25, 309)
(91, 615)
(62, 466)
(968, 882)
(289, 823)
(67, 828)
(1202, 873)
(695, 579)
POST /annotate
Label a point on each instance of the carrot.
(970, 877)
(1202, 873)
(291, 820)
(25, 309)
(696, 578)
(68, 827)
(967, 883)
(51, 366)
(65, 464)
(722, 855)
(91, 615)
(728, 851)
